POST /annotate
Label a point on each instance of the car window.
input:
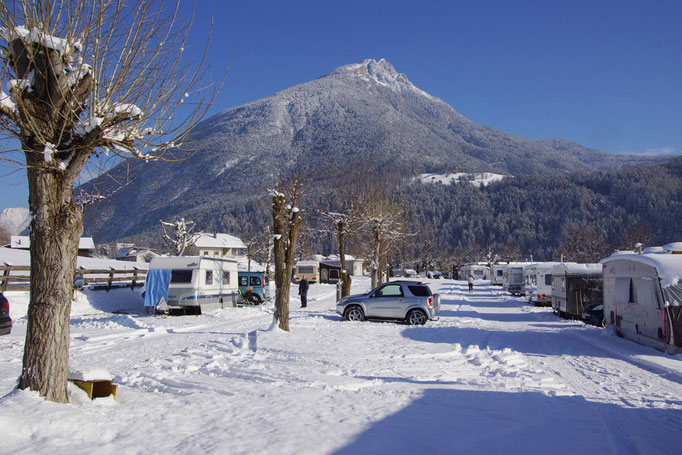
(255, 281)
(243, 281)
(419, 291)
(390, 290)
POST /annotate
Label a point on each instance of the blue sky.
(605, 74)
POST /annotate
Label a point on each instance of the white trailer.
(497, 273)
(643, 296)
(479, 272)
(576, 288)
(539, 283)
(197, 283)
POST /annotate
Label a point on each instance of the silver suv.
(411, 301)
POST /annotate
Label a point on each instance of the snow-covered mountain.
(15, 219)
(364, 116)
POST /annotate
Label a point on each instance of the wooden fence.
(17, 277)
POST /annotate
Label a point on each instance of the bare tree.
(385, 221)
(583, 244)
(85, 79)
(286, 220)
(182, 235)
(261, 250)
(345, 219)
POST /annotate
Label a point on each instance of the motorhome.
(576, 288)
(539, 283)
(479, 272)
(643, 296)
(193, 284)
(310, 270)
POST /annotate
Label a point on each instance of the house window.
(226, 277)
(216, 254)
(209, 276)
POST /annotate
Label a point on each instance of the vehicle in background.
(497, 273)
(5, 319)
(434, 275)
(538, 285)
(310, 270)
(410, 301)
(479, 272)
(576, 288)
(194, 284)
(514, 280)
(259, 282)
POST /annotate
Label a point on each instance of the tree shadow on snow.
(462, 421)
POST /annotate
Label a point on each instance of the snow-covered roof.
(668, 266)
(132, 252)
(24, 241)
(572, 268)
(307, 263)
(183, 262)
(218, 240)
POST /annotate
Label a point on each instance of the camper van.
(539, 283)
(479, 272)
(576, 289)
(643, 296)
(513, 279)
(259, 282)
(193, 284)
(310, 270)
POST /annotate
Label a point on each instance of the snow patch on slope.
(477, 179)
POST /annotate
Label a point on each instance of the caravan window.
(499, 272)
(181, 276)
(306, 269)
(334, 274)
(226, 277)
(209, 276)
(548, 279)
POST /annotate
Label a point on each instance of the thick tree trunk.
(345, 276)
(55, 231)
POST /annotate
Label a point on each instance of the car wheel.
(355, 313)
(416, 317)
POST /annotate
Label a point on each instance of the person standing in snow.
(303, 292)
(471, 284)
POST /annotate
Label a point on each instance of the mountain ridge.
(363, 116)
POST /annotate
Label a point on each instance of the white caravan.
(643, 296)
(497, 273)
(479, 272)
(198, 283)
(513, 279)
(539, 283)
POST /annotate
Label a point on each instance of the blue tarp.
(156, 284)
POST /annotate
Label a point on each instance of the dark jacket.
(303, 287)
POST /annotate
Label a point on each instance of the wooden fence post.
(5, 275)
(132, 286)
(111, 277)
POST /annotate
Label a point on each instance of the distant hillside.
(362, 116)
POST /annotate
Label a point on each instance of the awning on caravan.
(156, 286)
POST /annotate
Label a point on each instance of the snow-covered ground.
(493, 375)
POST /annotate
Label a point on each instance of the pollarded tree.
(181, 237)
(286, 218)
(84, 78)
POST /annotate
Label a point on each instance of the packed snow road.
(493, 373)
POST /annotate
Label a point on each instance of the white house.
(217, 245)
